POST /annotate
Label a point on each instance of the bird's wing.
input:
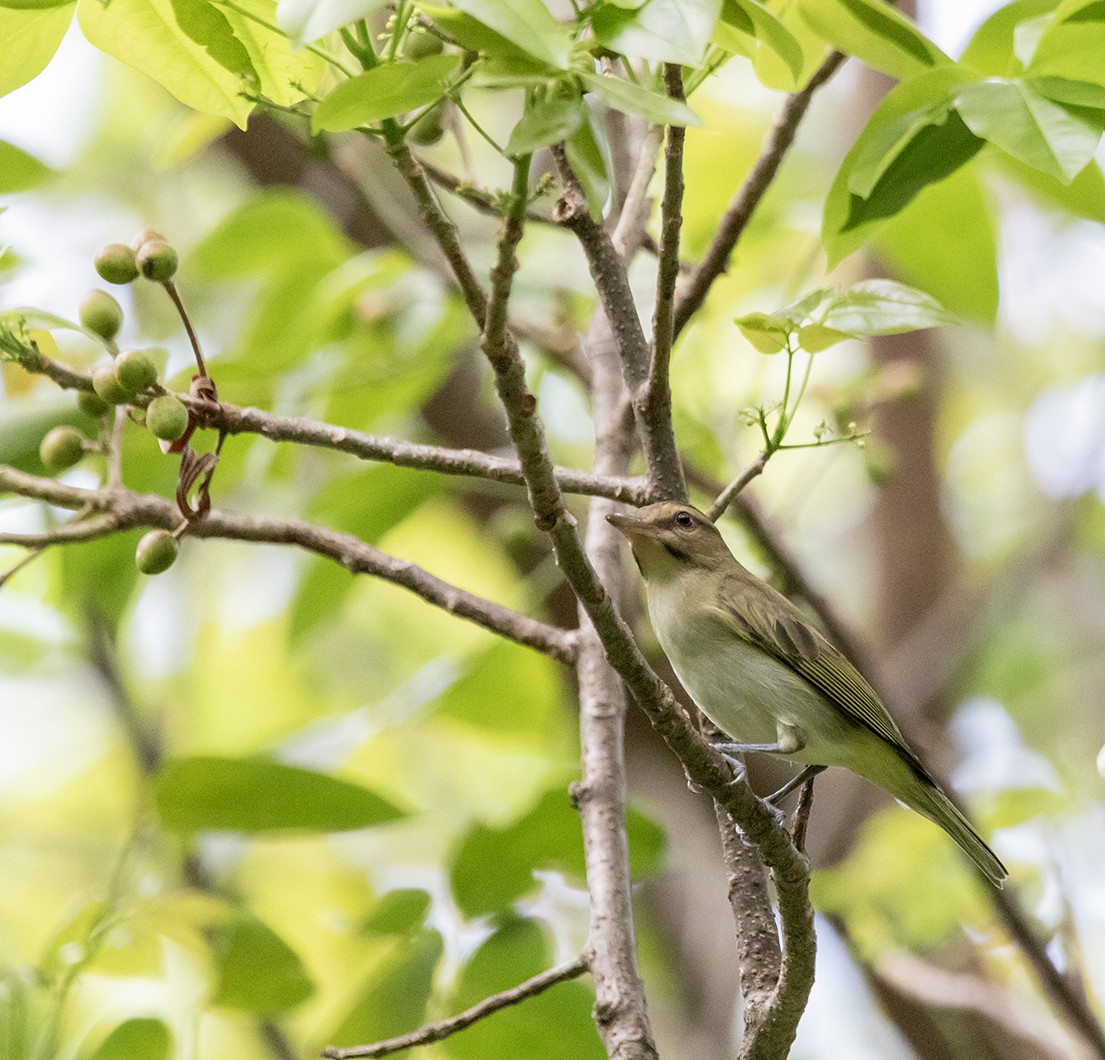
(767, 619)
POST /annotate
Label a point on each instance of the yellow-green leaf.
(186, 46)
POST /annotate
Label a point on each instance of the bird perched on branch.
(760, 672)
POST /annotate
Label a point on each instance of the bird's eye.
(684, 519)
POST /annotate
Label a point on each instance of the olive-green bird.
(766, 677)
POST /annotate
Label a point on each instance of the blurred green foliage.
(259, 794)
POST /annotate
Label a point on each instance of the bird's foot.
(794, 783)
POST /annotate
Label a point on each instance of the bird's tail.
(928, 800)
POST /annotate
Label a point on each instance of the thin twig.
(657, 401)
(743, 206)
(12, 571)
(802, 814)
(442, 1029)
(608, 271)
(729, 494)
(123, 510)
(233, 419)
(174, 294)
(629, 232)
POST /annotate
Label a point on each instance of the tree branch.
(744, 204)
(436, 1032)
(600, 796)
(657, 400)
(665, 473)
(232, 419)
(705, 766)
(120, 510)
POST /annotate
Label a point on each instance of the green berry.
(428, 129)
(157, 260)
(115, 263)
(99, 312)
(91, 404)
(107, 385)
(135, 371)
(156, 552)
(167, 418)
(421, 45)
(61, 448)
(146, 235)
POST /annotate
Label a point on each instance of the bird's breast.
(738, 686)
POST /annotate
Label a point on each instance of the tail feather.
(938, 808)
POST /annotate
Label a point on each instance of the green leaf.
(474, 36)
(874, 32)
(527, 24)
(286, 76)
(901, 151)
(399, 912)
(260, 795)
(945, 242)
(1053, 138)
(28, 40)
(632, 99)
(1071, 44)
(274, 232)
(516, 951)
(258, 971)
(187, 46)
(1072, 93)
(884, 146)
(586, 152)
(494, 867)
(883, 307)
(136, 1039)
(814, 338)
(990, 50)
(767, 334)
(748, 18)
(383, 92)
(305, 21)
(1082, 197)
(672, 31)
(546, 123)
(394, 999)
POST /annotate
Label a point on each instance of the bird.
(766, 677)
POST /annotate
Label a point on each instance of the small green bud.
(157, 260)
(135, 371)
(428, 129)
(105, 383)
(156, 552)
(146, 235)
(421, 45)
(91, 404)
(115, 263)
(61, 448)
(167, 418)
(99, 312)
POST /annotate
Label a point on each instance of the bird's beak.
(632, 526)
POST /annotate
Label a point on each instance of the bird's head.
(669, 539)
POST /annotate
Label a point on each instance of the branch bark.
(119, 510)
(442, 1029)
(665, 473)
